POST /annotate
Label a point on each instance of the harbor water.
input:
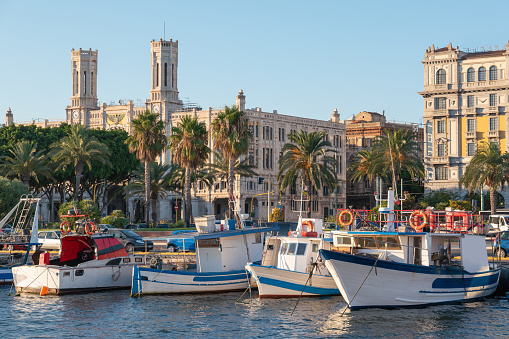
(117, 315)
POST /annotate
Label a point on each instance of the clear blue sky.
(302, 58)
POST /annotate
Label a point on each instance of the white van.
(499, 222)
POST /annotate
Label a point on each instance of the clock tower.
(163, 90)
(84, 86)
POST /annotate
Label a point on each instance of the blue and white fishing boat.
(220, 260)
(393, 269)
(290, 266)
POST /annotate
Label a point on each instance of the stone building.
(361, 130)
(466, 95)
(270, 131)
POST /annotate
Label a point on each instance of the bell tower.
(84, 86)
(164, 95)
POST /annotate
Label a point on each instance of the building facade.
(361, 130)
(466, 95)
(270, 131)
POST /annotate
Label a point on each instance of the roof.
(233, 233)
(484, 54)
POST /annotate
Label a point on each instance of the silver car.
(50, 240)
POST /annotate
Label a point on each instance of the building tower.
(84, 86)
(164, 95)
(9, 120)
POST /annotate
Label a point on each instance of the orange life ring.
(342, 220)
(65, 229)
(90, 227)
(414, 223)
(309, 226)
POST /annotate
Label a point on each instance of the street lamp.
(95, 186)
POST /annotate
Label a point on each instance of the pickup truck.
(182, 240)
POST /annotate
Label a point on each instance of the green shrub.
(179, 224)
(118, 222)
(277, 215)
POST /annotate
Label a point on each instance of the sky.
(301, 58)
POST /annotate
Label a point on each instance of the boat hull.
(153, 281)
(5, 276)
(273, 282)
(388, 284)
(68, 280)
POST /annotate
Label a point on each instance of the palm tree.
(307, 158)
(148, 141)
(160, 179)
(26, 162)
(78, 149)
(394, 153)
(487, 167)
(230, 130)
(188, 143)
(361, 168)
(221, 167)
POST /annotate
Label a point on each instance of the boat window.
(138, 260)
(284, 248)
(366, 242)
(343, 240)
(392, 243)
(270, 247)
(314, 248)
(258, 238)
(291, 248)
(301, 249)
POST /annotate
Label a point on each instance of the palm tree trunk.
(154, 212)
(147, 193)
(308, 212)
(493, 200)
(231, 179)
(188, 197)
(79, 170)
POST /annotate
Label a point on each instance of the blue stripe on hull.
(465, 282)
(298, 287)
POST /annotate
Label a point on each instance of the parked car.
(131, 227)
(503, 239)
(178, 241)
(499, 222)
(50, 240)
(102, 228)
(130, 240)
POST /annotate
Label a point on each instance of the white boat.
(409, 269)
(290, 266)
(220, 260)
(87, 263)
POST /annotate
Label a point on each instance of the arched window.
(157, 74)
(481, 74)
(85, 82)
(440, 76)
(165, 74)
(471, 75)
(493, 73)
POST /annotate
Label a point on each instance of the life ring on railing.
(65, 227)
(414, 222)
(90, 228)
(309, 226)
(342, 219)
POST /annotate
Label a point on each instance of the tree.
(25, 163)
(10, 193)
(394, 153)
(487, 167)
(221, 167)
(79, 148)
(306, 158)
(363, 166)
(148, 141)
(231, 134)
(188, 143)
(160, 179)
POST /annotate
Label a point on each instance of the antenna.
(164, 30)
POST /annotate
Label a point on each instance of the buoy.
(44, 290)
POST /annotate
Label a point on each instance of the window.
(268, 158)
(284, 248)
(301, 249)
(471, 75)
(282, 134)
(482, 74)
(314, 248)
(172, 76)
(157, 74)
(470, 125)
(441, 173)
(165, 74)
(441, 126)
(470, 149)
(291, 248)
(85, 82)
(493, 124)
(92, 83)
(493, 73)
(440, 103)
(440, 76)
(493, 99)
(470, 101)
(441, 150)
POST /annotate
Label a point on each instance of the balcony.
(470, 135)
(439, 160)
(470, 110)
(493, 134)
(493, 109)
